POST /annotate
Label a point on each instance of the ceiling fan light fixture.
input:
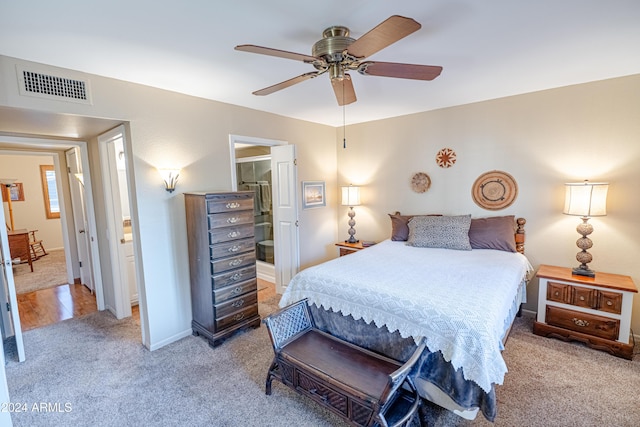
(336, 72)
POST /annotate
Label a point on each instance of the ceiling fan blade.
(401, 71)
(287, 83)
(276, 52)
(343, 88)
(387, 32)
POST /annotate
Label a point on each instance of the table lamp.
(351, 198)
(585, 199)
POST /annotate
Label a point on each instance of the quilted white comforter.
(459, 300)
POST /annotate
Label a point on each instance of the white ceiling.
(488, 49)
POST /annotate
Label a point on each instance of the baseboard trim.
(171, 339)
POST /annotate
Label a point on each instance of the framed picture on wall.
(313, 194)
(17, 193)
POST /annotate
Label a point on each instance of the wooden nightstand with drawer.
(346, 248)
(593, 310)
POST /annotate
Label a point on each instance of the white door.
(285, 214)
(81, 226)
(120, 239)
(10, 320)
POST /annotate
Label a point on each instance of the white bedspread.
(458, 300)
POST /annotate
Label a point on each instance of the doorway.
(259, 164)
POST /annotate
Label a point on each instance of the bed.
(456, 281)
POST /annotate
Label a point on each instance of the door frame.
(76, 187)
(250, 140)
(40, 146)
(121, 296)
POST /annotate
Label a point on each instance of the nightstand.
(349, 248)
(593, 310)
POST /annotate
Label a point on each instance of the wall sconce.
(351, 198)
(170, 178)
(585, 199)
(8, 182)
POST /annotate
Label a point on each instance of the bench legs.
(270, 375)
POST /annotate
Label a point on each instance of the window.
(50, 191)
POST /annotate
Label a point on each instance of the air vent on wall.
(48, 86)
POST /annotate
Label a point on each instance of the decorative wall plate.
(420, 182)
(446, 158)
(494, 190)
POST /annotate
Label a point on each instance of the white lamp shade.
(586, 199)
(350, 196)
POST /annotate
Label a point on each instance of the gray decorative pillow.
(496, 232)
(446, 232)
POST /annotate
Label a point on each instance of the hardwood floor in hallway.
(52, 305)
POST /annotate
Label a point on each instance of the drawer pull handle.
(238, 303)
(236, 291)
(579, 322)
(232, 220)
(235, 262)
(581, 298)
(322, 397)
(233, 205)
(557, 293)
(609, 303)
(239, 316)
(233, 234)
(236, 276)
(234, 248)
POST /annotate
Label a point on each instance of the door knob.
(80, 231)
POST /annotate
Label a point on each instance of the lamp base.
(583, 272)
(352, 240)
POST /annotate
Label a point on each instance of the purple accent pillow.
(399, 226)
(496, 232)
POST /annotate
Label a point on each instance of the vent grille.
(46, 85)
(56, 86)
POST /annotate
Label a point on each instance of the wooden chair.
(35, 246)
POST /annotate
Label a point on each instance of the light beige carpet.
(48, 271)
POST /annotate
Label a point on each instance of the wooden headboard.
(520, 222)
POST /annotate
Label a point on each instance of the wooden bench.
(363, 387)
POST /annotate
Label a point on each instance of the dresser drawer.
(224, 234)
(236, 304)
(598, 326)
(318, 391)
(224, 294)
(230, 263)
(558, 292)
(231, 248)
(583, 297)
(610, 302)
(230, 218)
(240, 202)
(233, 277)
(237, 317)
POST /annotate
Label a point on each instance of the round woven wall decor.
(420, 182)
(494, 190)
(446, 158)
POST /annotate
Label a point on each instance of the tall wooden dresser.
(222, 263)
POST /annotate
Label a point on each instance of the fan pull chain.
(344, 123)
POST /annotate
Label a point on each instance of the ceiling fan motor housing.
(332, 46)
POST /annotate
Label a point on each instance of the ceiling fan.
(337, 53)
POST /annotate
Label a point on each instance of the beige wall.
(30, 213)
(167, 129)
(542, 139)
